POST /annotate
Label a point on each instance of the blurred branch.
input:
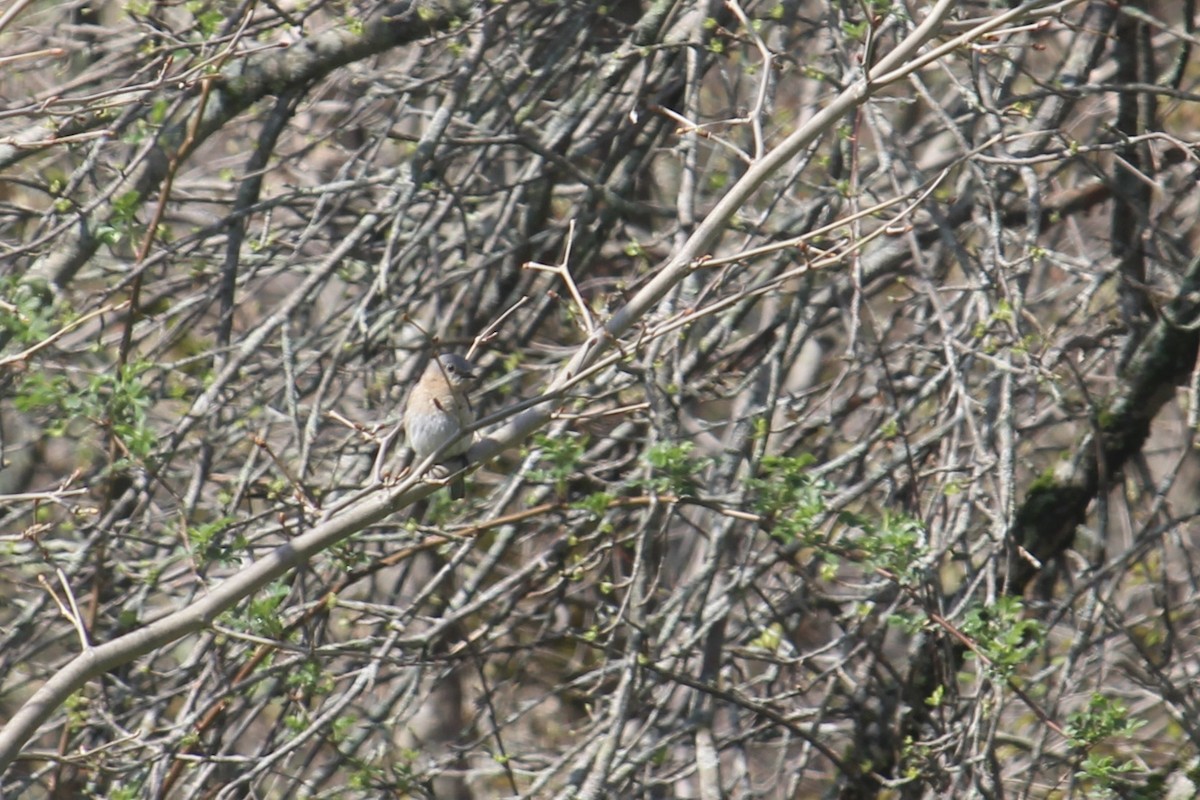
(1056, 506)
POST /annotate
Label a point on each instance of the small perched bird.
(438, 411)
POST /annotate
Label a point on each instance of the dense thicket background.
(892, 494)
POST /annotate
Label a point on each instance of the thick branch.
(1045, 524)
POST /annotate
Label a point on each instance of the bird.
(438, 410)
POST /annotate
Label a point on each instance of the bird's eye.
(450, 369)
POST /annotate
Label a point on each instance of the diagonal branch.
(1046, 522)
